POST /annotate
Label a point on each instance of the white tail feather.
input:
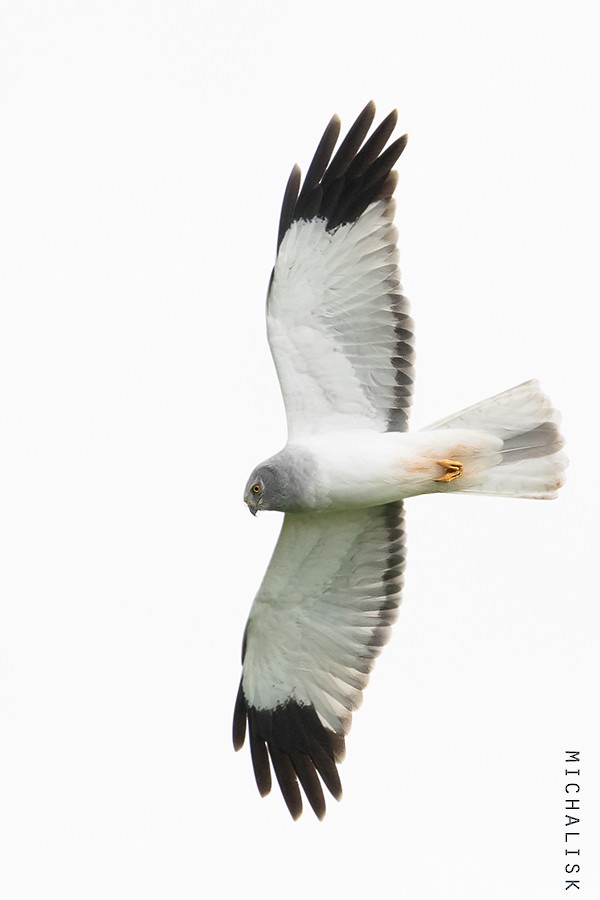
(530, 462)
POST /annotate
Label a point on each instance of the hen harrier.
(342, 340)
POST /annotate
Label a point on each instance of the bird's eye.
(256, 488)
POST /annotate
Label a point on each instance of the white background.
(144, 151)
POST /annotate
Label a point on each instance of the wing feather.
(373, 147)
(289, 203)
(320, 618)
(338, 324)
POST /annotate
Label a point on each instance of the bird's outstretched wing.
(338, 325)
(320, 618)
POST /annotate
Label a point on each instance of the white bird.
(342, 341)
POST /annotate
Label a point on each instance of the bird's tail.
(529, 462)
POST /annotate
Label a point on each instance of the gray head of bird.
(265, 489)
(284, 482)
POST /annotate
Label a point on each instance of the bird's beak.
(251, 503)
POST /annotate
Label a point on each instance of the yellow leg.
(454, 469)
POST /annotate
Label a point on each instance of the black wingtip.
(302, 751)
(308, 778)
(290, 198)
(349, 147)
(286, 777)
(260, 759)
(320, 160)
(338, 190)
(239, 720)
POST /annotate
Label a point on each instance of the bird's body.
(342, 341)
(348, 470)
(336, 470)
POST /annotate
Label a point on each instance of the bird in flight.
(342, 340)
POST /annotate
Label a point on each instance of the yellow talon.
(454, 469)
